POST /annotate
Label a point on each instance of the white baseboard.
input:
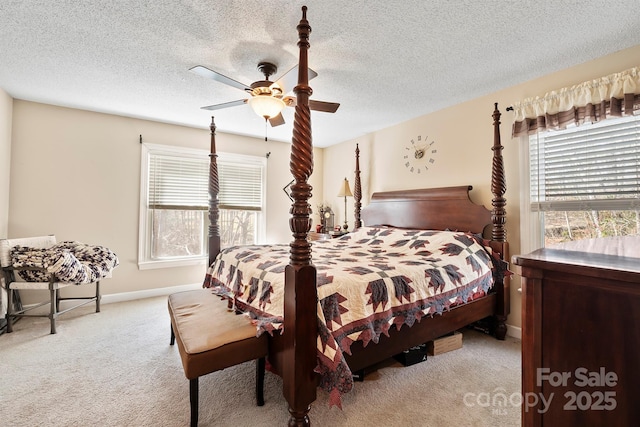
(148, 293)
(514, 331)
(124, 296)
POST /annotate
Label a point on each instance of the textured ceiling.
(385, 62)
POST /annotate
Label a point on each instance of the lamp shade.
(266, 106)
(345, 191)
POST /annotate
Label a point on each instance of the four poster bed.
(424, 263)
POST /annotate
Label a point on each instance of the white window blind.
(178, 182)
(240, 185)
(588, 167)
(181, 182)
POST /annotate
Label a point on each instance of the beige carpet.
(116, 368)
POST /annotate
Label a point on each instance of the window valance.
(592, 101)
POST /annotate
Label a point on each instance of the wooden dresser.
(580, 338)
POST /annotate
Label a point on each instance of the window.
(174, 204)
(584, 182)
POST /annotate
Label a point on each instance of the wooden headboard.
(447, 208)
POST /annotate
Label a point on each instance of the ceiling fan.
(268, 98)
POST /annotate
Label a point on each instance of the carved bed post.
(499, 219)
(357, 192)
(214, 189)
(300, 294)
(498, 183)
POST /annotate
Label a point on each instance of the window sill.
(169, 263)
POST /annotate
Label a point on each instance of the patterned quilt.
(368, 281)
(71, 262)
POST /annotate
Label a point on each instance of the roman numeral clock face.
(419, 155)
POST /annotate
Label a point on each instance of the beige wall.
(464, 148)
(6, 107)
(76, 174)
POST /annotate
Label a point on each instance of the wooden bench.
(211, 338)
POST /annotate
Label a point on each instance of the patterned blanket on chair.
(367, 282)
(71, 262)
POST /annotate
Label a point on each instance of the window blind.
(240, 186)
(178, 182)
(587, 167)
(181, 182)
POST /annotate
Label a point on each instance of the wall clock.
(419, 155)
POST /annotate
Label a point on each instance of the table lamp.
(345, 192)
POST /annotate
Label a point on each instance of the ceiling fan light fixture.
(266, 106)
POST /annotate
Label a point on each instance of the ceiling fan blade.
(289, 80)
(327, 107)
(277, 120)
(214, 75)
(225, 105)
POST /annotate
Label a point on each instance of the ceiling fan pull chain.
(266, 129)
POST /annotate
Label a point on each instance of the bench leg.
(193, 398)
(260, 367)
(173, 336)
